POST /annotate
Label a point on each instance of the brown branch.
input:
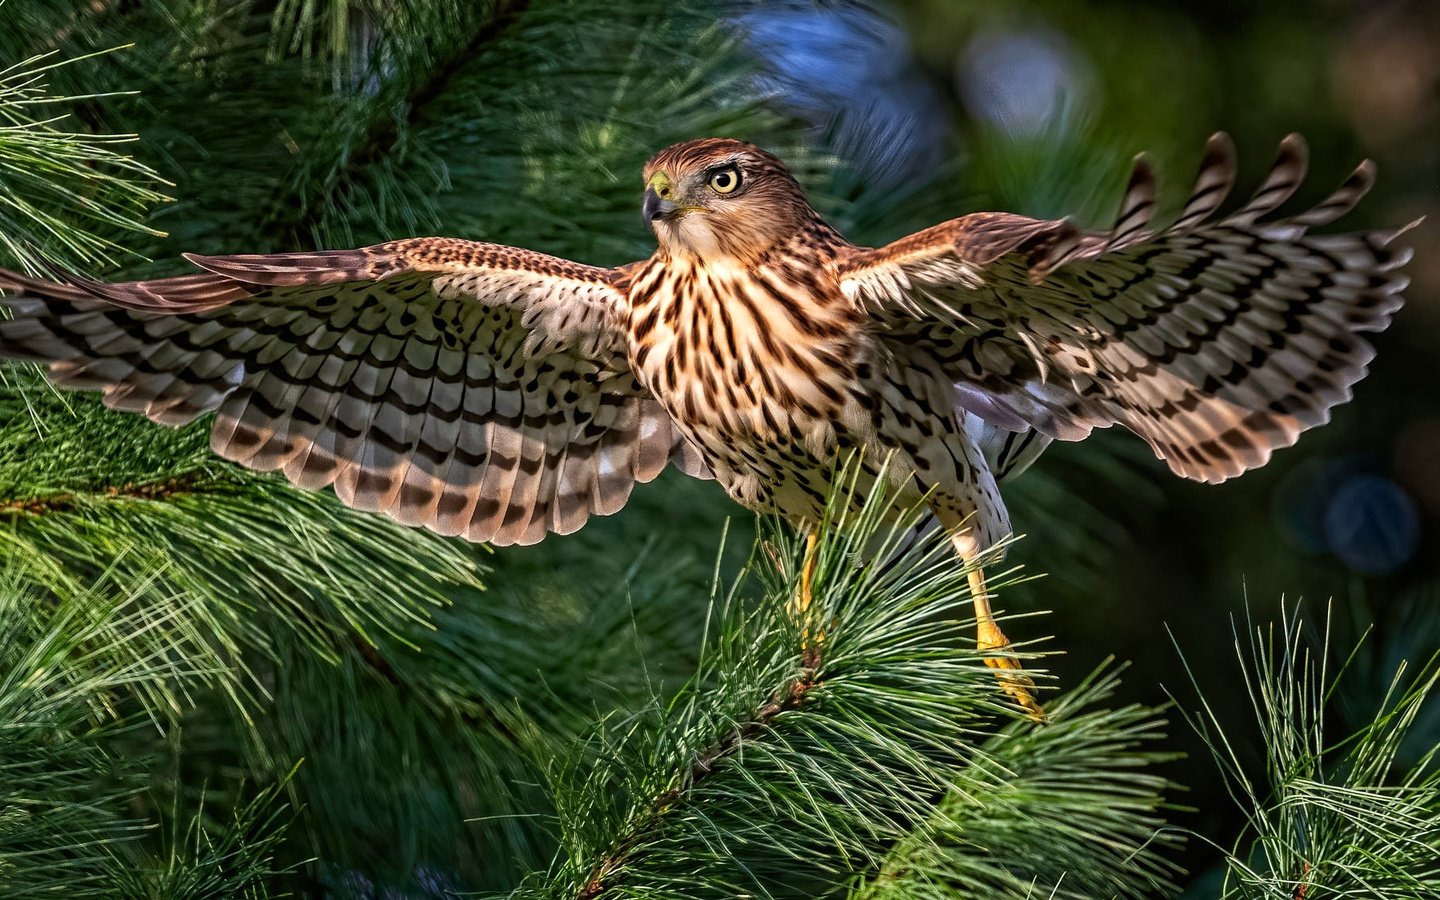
(64, 502)
(792, 696)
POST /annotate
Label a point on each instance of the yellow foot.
(800, 603)
(1013, 681)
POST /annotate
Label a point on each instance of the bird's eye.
(724, 181)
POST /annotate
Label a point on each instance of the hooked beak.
(656, 207)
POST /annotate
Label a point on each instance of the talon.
(1014, 682)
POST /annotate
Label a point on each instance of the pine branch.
(1329, 818)
(69, 657)
(789, 698)
(235, 860)
(378, 139)
(63, 502)
(1070, 810)
(780, 772)
(65, 196)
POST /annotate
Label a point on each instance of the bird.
(500, 394)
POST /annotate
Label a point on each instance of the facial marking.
(726, 200)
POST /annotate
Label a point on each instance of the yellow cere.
(660, 184)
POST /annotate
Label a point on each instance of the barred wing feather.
(470, 388)
(1217, 339)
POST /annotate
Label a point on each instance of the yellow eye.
(724, 181)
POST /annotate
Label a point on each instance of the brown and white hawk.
(499, 394)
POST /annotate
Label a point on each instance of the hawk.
(500, 394)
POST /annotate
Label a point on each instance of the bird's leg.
(992, 641)
(800, 603)
(807, 571)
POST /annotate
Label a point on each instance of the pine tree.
(213, 685)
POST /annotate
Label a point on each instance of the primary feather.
(1215, 340)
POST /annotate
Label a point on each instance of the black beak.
(655, 206)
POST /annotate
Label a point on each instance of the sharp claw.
(1018, 687)
(1013, 681)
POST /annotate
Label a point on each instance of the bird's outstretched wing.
(1217, 340)
(470, 388)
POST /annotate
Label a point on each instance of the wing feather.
(469, 388)
(1216, 340)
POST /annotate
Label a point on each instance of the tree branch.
(790, 697)
(63, 502)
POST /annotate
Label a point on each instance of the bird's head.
(716, 198)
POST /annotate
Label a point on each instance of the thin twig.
(788, 698)
(63, 502)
